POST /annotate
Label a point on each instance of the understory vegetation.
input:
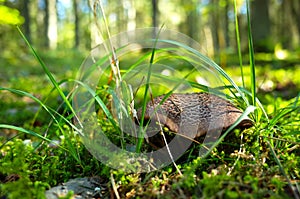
(262, 161)
(41, 144)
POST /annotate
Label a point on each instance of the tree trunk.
(154, 13)
(192, 28)
(46, 24)
(215, 24)
(296, 16)
(131, 15)
(77, 23)
(51, 23)
(261, 26)
(227, 31)
(25, 12)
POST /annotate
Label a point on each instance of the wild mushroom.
(193, 114)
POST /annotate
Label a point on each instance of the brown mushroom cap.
(193, 114)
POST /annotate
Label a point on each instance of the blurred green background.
(69, 24)
(64, 31)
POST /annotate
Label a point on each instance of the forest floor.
(260, 162)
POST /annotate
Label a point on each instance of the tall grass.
(58, 119)
(251, 57)
(142, 133)
(238, 41)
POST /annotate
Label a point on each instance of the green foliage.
(39, 168)
(18, 160)
(9, 15)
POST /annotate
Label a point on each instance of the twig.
(113, 183)
(238, 158)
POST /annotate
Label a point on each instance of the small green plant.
(15, 169)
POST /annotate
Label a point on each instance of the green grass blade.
(29, 132)
(50, 112)
(238, 42)
(251, 56)
(101, 104)
(209, 62)
(23, 93)
(283, 171)
(46, 70)
(20, 129)
(286, 111)
(141, 131)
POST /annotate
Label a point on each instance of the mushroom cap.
(193, 114)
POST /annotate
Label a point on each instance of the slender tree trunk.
(46, 23)
(26, 14)
(284, 35)
(227, 39)
(296, 16)
(261, 25)
(51, 17)
(77, 23)
(131, 16)
(154, 13)
(192, 25)
(215, 25)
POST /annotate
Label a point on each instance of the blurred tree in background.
(67, 24)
